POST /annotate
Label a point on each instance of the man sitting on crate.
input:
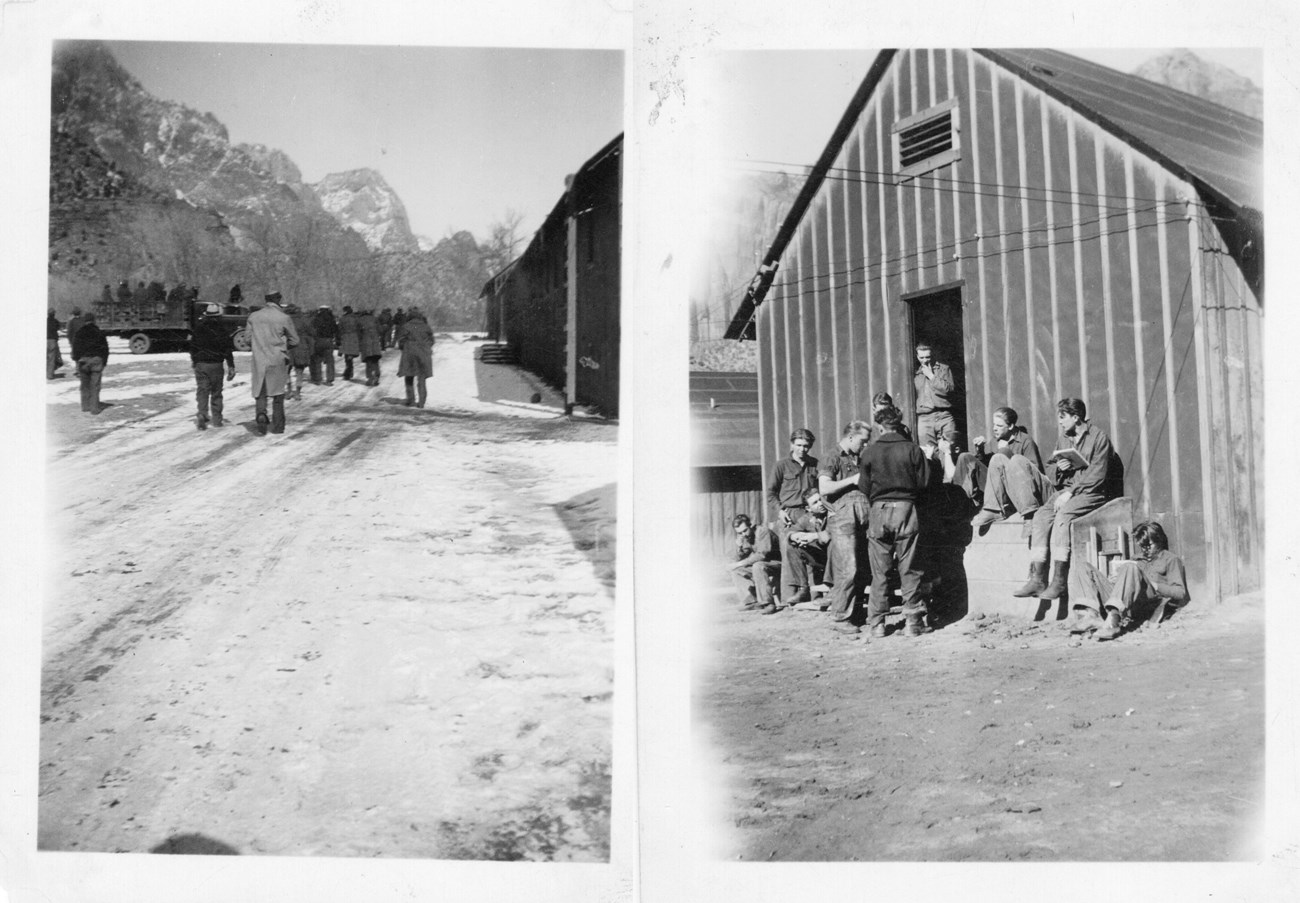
(1014, 481)
(1081, 465)
(803, 553)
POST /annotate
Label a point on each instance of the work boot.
(769, 609)
(262, 423)
(202, 422)
(880, 631)
(217, 421)
(1085, 620)
(1111, 628)
(801, 595)
(986, 517)
(1060, 576)
(1037, 581)
(914, 627)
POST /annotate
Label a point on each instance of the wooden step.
(997, 564)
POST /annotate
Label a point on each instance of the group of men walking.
(285, 343)
(879, 504)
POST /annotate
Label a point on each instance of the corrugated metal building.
(1054, 228)
(566, 284)
(725, 450)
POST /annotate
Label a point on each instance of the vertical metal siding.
(1087, 279)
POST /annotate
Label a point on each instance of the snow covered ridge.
(362, 201)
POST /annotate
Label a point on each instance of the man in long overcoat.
(415, 338)
(272, 335)
(370, 346)
(349, 340)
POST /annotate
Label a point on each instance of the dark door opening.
(937, 321)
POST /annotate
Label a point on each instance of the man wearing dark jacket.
(1014, 480)
(90, 351)
(325, 330)
(892, 476)
(210, 346)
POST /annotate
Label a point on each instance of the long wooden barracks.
(556, 306)
(1053, 228)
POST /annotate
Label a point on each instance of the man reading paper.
(1082, 476)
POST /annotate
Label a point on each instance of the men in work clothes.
(90, 353)
(385, 323)
(892, 477)
(272, 335)
(75, 323)
(349, 340)
(757, 566)
(210, 347)
(803, 552)
(326, 332)
(369, 345)
(837, 479)
(936, 395)
(1015, 480)
(1081, 487)
(415, 338)
(792, 479)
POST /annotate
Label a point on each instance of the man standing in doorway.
(936, 396)
(893, 475)
(272, 335)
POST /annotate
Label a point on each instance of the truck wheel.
(241, 341)
(140, 343)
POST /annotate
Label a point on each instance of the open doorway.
(937, 321)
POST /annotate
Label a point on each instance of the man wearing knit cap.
(272, 334)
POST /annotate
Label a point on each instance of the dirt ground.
(991, 739)
(386, 632)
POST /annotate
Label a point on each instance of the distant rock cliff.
(1184, 70)
(362, 201)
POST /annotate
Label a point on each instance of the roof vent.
(1043, 70)
(927, 140)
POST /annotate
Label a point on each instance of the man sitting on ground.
(1015, 481)
(758, 563)
(1141, 590)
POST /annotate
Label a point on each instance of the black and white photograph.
(976, 393)
(331, 450)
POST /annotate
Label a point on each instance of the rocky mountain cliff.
(362, 201)
(1184, 70)
(144, 189)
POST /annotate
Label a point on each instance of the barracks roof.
(1217, 147)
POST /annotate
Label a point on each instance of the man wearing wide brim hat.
(272, 334)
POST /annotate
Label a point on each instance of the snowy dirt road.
(386, 632)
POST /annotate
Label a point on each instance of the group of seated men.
(898, 500)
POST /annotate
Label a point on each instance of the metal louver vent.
(934, 136)
(927, 140)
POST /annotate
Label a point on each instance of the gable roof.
(1218, 149)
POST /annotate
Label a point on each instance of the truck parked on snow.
(155, 322)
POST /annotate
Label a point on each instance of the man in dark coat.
(370, 346)
(52, 356)
(210, 346)
(385, 322)
(326, 336)
(304, 351)
(415, 338)
(90, 351)
(74, 324)
(892, 476)
(349, 340)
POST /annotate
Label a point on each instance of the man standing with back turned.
(272, 335)
(892, 477)
(210, 347)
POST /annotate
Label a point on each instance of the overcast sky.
(461, 134)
